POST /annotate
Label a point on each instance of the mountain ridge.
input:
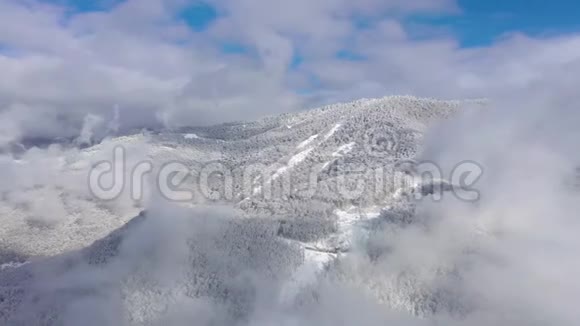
(292, 236)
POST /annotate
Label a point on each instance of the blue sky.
(257, 62)
(200, 15)
(479, 23)
(483, 21)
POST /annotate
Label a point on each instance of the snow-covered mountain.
(278, 217)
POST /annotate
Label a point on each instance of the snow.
(306, 274)
(326, 164)
(191, 136)
(6, 266)
(86, 220)
(340, 152)
(347, 217)
(307, 141)
(332, 131)
(294, 160)
(344, 149)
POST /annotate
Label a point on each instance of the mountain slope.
(293, 219)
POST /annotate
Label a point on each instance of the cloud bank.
(146, 64)
(508, 259)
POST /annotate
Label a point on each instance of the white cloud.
(79, 75)
(137, 56)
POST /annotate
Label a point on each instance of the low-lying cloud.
(140, 59)
(509, 258)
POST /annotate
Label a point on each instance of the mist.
(507, 258)
(79, 83)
